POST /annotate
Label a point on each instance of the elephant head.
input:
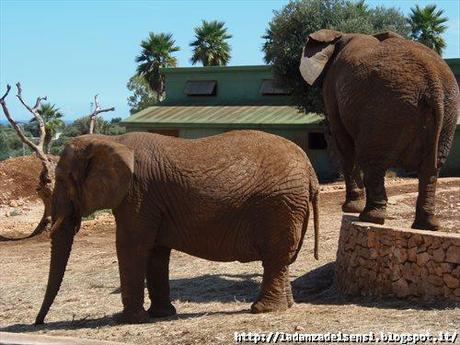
(93, 173)
(317, 52)
(321, 46)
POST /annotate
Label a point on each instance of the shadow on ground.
(317, 287)
(104, 321)
(223, 288)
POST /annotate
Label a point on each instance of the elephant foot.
(353, 206)
(267, 306)
(428, 222)
(374, 215)
(129, 317)
(162, 310)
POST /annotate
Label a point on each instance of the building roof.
(222, 116)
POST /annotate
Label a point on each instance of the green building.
(203, 101)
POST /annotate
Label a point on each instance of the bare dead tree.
(46, 179)
(93, 116)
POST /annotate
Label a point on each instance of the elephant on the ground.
(389, 102)
(239, 196)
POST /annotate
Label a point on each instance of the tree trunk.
(47, 141)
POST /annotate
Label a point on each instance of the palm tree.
(210, 47)
(52, 117)
(156, 53)
(427, 25)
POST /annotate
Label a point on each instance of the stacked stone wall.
(374, 260)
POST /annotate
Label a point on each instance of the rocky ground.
(212, 298)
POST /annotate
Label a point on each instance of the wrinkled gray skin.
(243, 196)
(390, 102)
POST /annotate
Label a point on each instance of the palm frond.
(427, 26)
(210, 46)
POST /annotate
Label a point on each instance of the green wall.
(238, 85)
(454, 65)
(452, 165)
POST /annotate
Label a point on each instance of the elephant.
(389, 102)
(238, 196)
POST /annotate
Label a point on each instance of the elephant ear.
(107, 175)
(316, 53)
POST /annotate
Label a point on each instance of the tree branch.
(34, 111)
(15, 125)
(8, 88)
(93, 116)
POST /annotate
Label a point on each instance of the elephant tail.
(438, 113)
(315, 203)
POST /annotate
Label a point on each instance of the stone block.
(438, 255)
(412, 254)
(414, 241)
(400, 254)
(435, 280)
(451, 281)
(453, 255)
(401, 288)
(423, 258)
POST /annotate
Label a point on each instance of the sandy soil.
(212, 298)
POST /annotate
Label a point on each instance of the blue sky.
(71, 50)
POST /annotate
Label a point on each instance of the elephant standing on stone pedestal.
(390, 102)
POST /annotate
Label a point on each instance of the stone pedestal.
(375, 260)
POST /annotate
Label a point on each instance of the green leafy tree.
(81, 126)
(52, 117)
(288, 30)
(156, 53)
(210, 46)
(10, 144)
(142, 95)
(427, 26)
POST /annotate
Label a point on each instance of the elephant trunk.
(62, 235)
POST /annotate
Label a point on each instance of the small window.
(201, 88)
(316, 141)
(270, 87)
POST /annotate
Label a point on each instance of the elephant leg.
(272, 296)
(132, 263)
(354, 195)
(425, 218)
(157, 276)
(376, 197)
(133, 245)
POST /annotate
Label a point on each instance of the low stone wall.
(374, 260)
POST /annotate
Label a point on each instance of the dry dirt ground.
(212, 298)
